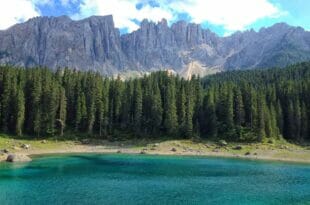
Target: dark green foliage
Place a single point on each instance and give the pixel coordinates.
(252, 105)
(170, 112)
(137, 106)
(268, 103)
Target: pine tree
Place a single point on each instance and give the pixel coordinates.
(297, 120)
(290, 121)
(36, 94)
(261, 117)
(188, 128)
(304, 122)
(62, 111)
(279, 117)
(5, 100)
(20, 107)
(210, 126)
(197, 96)
(81, 112)
(230, 111)
(115, 103)
(181, 108)
(170, 120)
(273, 121)
(127, 106)
(267, 122)
(105, 104)
(156, 110)
(239, 114)
(137, 103)
(90, 98)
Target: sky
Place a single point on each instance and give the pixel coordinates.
(221, 16)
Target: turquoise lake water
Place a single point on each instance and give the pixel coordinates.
(142, 179)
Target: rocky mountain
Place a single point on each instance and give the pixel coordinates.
(95, 44)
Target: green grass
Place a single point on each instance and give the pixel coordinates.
(277, 149)
(9, 142)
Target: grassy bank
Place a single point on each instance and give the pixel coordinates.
(278, 150)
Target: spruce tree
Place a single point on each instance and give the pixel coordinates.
(137, 106)
(20, 115)
(239, 115)
(260, 126)
(188, 127)
(304, 122)
(62, 111)
(170, 120)
(156, 110)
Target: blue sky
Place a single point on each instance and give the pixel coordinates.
(221, 16)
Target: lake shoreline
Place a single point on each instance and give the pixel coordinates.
(283, 152)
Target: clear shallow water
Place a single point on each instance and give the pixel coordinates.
(137, 179)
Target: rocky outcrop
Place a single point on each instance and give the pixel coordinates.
(17, 158)
(89, 44)
(95, 44)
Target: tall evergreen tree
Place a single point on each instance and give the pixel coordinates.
(20, 115)
(137, 103)
(261, 106)
(239, 115)
(62, 111)
(156, 110)
(170, 120)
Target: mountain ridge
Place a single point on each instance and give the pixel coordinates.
(94, 43)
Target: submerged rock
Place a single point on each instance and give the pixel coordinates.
(17, 158)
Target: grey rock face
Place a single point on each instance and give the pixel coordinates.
(90, 44)
(95, 44)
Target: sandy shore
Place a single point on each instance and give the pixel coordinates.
(258, 151)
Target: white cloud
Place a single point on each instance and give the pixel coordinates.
(123, 11)
(15, 11)
(231, 14)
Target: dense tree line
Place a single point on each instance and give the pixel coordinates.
(238, 105)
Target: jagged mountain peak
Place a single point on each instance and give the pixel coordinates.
(95, 44)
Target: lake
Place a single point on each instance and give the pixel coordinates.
(143, 179)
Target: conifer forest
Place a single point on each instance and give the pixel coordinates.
(248, 105)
